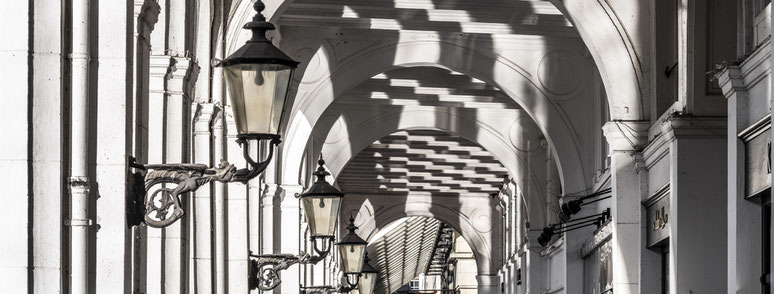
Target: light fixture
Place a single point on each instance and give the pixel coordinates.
(365, 285)
(352, 252)
(321, 203)
(258, 77)
(368, 275)
(594, 219)
(572, 207)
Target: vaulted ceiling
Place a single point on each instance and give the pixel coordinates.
(423, 161)
(526, 17)
(428, 87)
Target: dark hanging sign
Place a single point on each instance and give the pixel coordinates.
(757, 159)
(657, 209)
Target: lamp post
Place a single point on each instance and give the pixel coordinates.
(321, 205)
(258, 77)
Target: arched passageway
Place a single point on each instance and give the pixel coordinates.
(419, 253)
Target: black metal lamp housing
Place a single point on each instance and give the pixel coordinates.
(321, 204)
(352, 252)
(368, 275)
(258, 78)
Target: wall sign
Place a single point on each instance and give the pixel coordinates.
(657, 210)
(757, 156)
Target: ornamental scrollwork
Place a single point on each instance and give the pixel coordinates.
(164, 183)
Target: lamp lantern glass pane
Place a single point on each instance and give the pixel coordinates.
(258, 94)
(367, 283)
(351, 257)
(321, 214)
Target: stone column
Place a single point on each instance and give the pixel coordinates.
(46, 146)
(155, 154)
(236, 216)
(626, 139)
(203, 49)
(291, 236)
(113, 92)
(532, 269)
(697, 220)
(146, 13)
(14, 157)
(743, 215)
(202, 199)
(180, 78)
(488, 284)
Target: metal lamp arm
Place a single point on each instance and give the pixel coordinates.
(321, 254)
(265, 268)
(254, 168)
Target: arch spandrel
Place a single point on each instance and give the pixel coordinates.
(617, 48)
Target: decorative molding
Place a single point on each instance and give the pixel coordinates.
(657, 150)
(656, 196)
(690, 127)
(560, 73)
(626, 136)
(757, 128)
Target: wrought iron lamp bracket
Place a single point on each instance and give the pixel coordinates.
(317, 289)
(161, 207)
(265, 268)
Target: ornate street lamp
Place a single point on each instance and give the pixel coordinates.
(366, 285)
(368, 276)
(352, 252)
(321, 205)
(258, 78)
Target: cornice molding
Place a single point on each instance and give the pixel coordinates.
(757, 128)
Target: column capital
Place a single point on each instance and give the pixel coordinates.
(202, 114)
(731, 81)
(626, 136)
(693, 127)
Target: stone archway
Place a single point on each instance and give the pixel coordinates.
(511, 80)
(610, 37)
(476, 225)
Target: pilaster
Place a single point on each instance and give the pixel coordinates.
(46, 147)
(698, 212)
(488, 284)
(290, 212)
(202, 199)
(111, 149)
(237, 230)
(181, 74)
(14, 157)
(626, 139)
